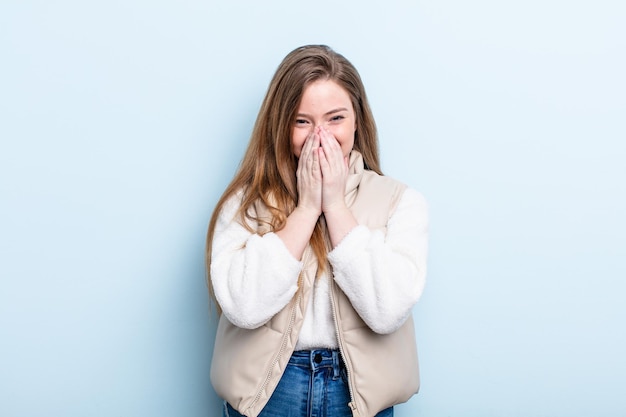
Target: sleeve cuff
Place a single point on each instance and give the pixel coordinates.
(350, 246)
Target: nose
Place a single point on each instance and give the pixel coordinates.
(319, 126)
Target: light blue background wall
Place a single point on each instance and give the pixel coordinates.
(122, 121)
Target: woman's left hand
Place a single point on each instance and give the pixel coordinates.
(334, 166)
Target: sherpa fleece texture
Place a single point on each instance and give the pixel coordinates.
(254, 277)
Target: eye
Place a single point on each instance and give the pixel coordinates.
(301, 121)
(337, 118)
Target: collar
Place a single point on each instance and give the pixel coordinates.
(355, 174)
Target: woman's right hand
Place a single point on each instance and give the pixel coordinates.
(301, 222)
(309, 176)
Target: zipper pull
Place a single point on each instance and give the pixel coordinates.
(352, 406)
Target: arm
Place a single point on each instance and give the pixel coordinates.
(253, 276)
(334, 167)
(300, 223)
(384, 275)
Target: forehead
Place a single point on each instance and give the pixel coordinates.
(325, 93)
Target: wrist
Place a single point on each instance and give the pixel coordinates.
(335, 208)
(307, 212)
(340, 221)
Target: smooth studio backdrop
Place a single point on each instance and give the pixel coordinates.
(121, 122)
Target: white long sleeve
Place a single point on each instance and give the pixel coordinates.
(384, 275)
(253, 276)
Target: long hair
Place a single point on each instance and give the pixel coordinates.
(267, 172)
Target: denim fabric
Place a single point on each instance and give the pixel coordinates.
(314, 385)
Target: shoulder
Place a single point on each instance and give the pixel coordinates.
(371, 178)
(412, 209)
(229, 211)
(398, 192)
(404, 199)
(406, 193)
(412, 197)
(231, 204)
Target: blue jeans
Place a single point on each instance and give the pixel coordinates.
(314, 384)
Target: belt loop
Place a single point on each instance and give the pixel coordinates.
(335, 363)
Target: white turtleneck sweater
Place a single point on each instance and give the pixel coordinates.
(383, 275)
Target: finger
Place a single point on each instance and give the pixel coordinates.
(315, 144)
(333, 158)
(312, 155)
(328, 137)
(305, 151)
(324, 163)
(324, 139)
(316, 169)
(309, 158)
(306, 147)
(332, 147)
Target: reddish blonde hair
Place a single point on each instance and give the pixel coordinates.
(267, 172)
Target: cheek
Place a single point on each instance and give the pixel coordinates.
(297, 141)
(345, 137)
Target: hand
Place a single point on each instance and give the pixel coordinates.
(334, 167)
(309, 176)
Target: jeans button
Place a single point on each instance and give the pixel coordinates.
(317, 358)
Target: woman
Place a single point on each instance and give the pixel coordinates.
(315, 259)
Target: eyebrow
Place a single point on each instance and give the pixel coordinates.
(340, 109)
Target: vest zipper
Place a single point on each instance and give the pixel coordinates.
(352, 403)
(292, 318)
